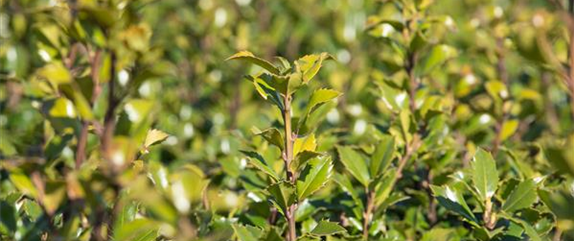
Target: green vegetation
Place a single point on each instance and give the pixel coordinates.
(287, 120)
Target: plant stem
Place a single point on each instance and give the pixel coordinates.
(288, 158)
(109, 118)
(368, 213)
(82, 141)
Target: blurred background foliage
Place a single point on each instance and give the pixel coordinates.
(90, 88)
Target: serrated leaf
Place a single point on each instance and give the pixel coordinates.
(327, 228)
(522, 197)
(273, 136)
(451, 198)
(260, 163)
(484, 174)
(248, 56)
(314, 176)
(309, 65)
(383, 155)
(528, 229)
(304, 144)
(302, 158)
(355, 164)
(154, 136)
(283, 194)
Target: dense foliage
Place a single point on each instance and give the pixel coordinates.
(382, 120)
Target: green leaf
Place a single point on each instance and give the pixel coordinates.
(247, 232)
(319, 97)
(23, 183)
(8, 217)
(508, 129)
(355, 163)
(283, 194)
(485, 175)
(54, 195)
(273, 136)
(139, 229)
(562, 157)
(248, 56)
(496, 89)
(435, 57)
(347, 187)
(314, 176)
(451, 198)
(327, 228)
(302, 158)
(258, 161)
(154, 136)
(528, 229)
(522, 197)
(383, 155)
(304, 144)
(266, 91)
(56, 73)
(384, 187)
(309, 65)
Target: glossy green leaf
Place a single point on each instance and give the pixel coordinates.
(355, 164)
(522, 197)
(484, 174)
(260, 163)
(273, 136)
(451, 198)
(315, 175)
(383, 155)
(327, 228)
(283, 194)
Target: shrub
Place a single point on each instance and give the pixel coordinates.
(413, 120)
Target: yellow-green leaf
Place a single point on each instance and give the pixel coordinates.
(355, 164)
(56, 73)
(508, 129)
(304, 144)
(248, 56)
(309, 65)
(154, 136)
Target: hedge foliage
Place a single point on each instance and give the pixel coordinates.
(287, 120)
